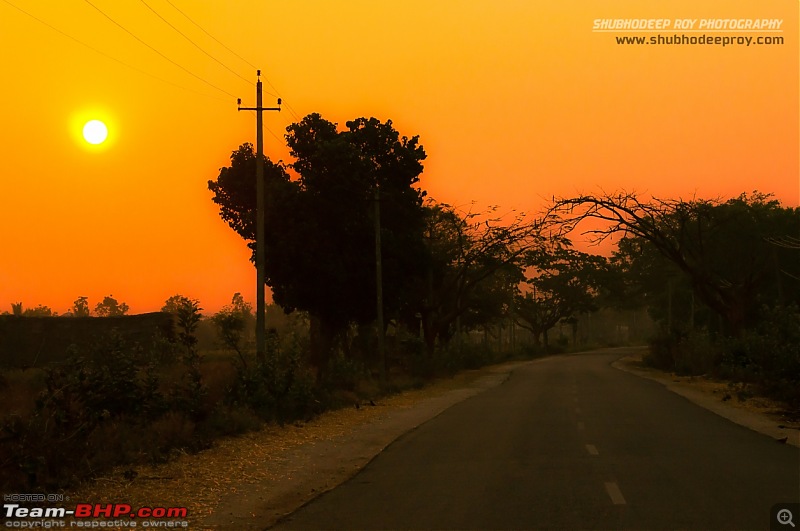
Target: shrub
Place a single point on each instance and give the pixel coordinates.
(190, 393)
(226, 420)
(769, 356)
(472, 356)
(344, 372)
(662, 352)
(279, 387)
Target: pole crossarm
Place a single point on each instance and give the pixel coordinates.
(261, 108)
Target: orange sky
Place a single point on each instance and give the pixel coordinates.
(514, 100)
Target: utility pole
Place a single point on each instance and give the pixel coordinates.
(379, 283)
(260, 255)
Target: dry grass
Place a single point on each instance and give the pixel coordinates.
(22, 389)
(201, 480)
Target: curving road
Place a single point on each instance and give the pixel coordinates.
(567, 442)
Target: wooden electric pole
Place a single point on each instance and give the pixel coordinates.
(260, 255)
(379, 285)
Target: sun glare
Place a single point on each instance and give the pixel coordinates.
(95, 132)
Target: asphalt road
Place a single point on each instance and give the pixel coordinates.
(567, 442)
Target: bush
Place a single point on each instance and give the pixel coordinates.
(473, 356)
(344, 373)
(768, 357)
(279, 388)
(226, 420)
(662, 352)
(689, 354)
(101, 408)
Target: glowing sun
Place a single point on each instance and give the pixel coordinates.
(95, 132)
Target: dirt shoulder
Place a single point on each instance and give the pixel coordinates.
(759, 414)
(252, 481)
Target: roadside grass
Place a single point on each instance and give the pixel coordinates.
(118, 404)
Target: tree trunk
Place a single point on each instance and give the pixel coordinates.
(536, 338)
(429, 333)
(321, 335)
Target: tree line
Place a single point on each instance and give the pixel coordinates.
(108, 307)
(716, 266)
(442, 269)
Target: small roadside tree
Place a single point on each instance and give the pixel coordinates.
(110, 307)
(80, 308)
(176, 303)
(231, 322)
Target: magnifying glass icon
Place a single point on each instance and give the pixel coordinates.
(785, 517)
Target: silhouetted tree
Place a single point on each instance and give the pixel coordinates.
(80, 308)
(176, 303)
(110, 307)
(466, 254)
(647, 279)
(562, 283)
(320, 250)
(39, 311)
(231, 322)
(723, 249)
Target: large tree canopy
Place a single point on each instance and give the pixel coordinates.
(561, 284)
(725, 250)
(473, 270)
(320, 228)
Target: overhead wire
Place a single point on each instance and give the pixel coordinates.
(168, 23)
(146, 73)
(108, 56)
(276, 137)
(176, 8)
(277, 92)
(280, 140)
(296, 116)
(126, 30)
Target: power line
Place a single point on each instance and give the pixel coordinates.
(107, 56)
(159, 53)
(195, 44)
(277, 92)
(280, 140)
(207, 33)
(291, 110)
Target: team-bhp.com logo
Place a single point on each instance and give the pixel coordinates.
(112, 515)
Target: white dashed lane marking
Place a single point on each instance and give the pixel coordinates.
(591, 449)
(614, 493)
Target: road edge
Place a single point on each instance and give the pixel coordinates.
(337, 461)
(758, 422)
